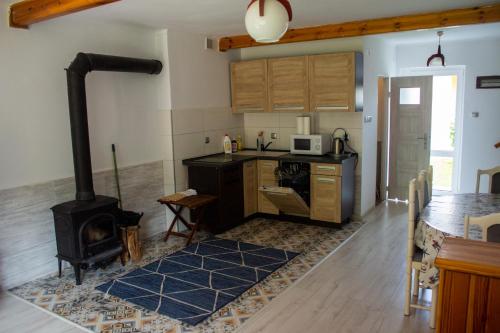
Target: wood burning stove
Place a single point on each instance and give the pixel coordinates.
(86, 228)
(87, 232)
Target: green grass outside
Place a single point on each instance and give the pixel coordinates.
(443, 172)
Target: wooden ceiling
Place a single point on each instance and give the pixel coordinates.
(449, 18)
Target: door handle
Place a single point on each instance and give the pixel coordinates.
(425, 138)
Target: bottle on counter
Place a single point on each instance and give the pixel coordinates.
(239, 143)
(227, 145)
(234, 146)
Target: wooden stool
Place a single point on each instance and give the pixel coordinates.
(200, 202)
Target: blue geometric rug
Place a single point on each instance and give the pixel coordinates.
(193, 283)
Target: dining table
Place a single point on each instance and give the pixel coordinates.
(447, 212)
(444, 216)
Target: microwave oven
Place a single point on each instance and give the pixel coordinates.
(313, 144)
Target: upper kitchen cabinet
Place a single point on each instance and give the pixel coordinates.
(288, 84)
(249, 86)
(336, 81)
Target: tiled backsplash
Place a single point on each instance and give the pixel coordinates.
(284, 124)
(190, 129)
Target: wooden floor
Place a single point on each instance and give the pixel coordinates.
(359, 288)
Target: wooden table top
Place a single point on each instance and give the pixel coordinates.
(191, 202)
(470, 256)
(447, 212)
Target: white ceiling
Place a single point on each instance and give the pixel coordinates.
(226, 17)
(450, 34)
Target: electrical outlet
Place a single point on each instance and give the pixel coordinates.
(207, 139)
(275, 136)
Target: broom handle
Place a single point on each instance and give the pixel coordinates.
(117, 178)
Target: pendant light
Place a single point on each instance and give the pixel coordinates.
(438, 58)
(267, 20)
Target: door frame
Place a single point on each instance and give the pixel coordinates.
(459, 71)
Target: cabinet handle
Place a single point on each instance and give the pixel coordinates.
(326, 180)
(326, 167)
(250, 109)
(332, 107)
(288, 107)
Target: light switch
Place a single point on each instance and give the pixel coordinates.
(274, 136)
(368, 119)
(475, 114)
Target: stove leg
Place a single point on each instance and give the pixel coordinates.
(76, 267)
(59, 265)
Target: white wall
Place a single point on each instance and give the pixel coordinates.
(200, 90)
(481, 58)
(379, 61)
(35, 142)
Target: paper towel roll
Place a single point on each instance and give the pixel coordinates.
(307, 125)
(300, 125)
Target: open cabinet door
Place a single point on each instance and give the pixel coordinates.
(410, 128)
(286, 200)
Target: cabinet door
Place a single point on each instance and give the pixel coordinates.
(250, 187)
(288, 84)
(267, 177)
(249, 86)
(326, 198)
(332, 82)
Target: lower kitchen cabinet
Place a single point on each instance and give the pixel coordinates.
(326, 194)
(332, 191)
(250, 187)
(267, 177)
(226, 183)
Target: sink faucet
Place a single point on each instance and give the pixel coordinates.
(264, 148)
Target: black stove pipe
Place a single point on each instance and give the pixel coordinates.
(83, 64)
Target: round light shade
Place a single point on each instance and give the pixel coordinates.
(270, 27)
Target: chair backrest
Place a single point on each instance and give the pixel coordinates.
(422, 190)
(413, 215)
(494, 179)
(430, 180)
(490, 226)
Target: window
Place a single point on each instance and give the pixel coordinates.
(409, 96)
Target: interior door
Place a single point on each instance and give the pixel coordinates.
(410, 128)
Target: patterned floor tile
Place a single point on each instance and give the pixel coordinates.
(94, 311)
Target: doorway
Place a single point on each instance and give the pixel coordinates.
(446, 125)
(444, 128)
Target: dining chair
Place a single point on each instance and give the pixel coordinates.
(430, 179)
(414, 259)
(494, 179)
(490, 226)
(423, 189)
(414, 254)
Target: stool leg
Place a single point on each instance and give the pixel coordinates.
(197, 223)
(177, 214)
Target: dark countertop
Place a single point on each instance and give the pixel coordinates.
(222, 160)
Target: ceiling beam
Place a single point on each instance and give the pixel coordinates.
(25, 13)
(456, 17)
